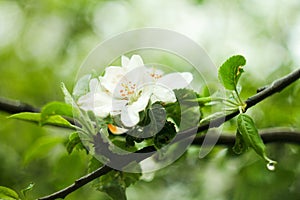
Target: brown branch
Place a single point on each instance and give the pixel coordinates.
(268, 136)
(78, 183)
(13, 106)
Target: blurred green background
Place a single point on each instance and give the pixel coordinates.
(43, 43)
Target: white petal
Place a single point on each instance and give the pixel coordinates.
(86, 101)
(130, 114)
(130, 117)
(99, 103)
(134, 62)
(124, 61)
(176, 80)
(163, 94)
(117, 106)
(94, 85)
(142, 101)
(130, 83)
(111, 78)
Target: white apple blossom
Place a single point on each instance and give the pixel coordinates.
(127, 90)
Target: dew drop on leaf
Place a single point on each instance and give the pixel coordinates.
(271, 166)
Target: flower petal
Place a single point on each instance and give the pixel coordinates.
(130, 117)
(99, 103)
(161, 93)
(117, 106)
(134, 62)
(94, 85)
(130, 113)
(111, 78)
(124, 61)
(176, 80)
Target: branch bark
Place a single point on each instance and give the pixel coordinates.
(275, 87)
(13, 106)
(268, 136)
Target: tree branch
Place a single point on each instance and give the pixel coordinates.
(78, 183)
(268, 136)
(278, 85)
(13, 106)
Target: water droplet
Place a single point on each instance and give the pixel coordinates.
(271, 166)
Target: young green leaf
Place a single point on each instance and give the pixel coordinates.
(82, 86)
(240, 146)
(165, 135)
(94, 164)
(56, 108)
(68, 97)
(186, 111)
(250, 135)
(8, 194)
(27, 116)
(115, 183)
(55, 120)
(74, 143)
(230, 71)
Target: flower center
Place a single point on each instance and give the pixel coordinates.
(127, 89)
(155, 73)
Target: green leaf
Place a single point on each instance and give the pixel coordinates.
(165, 136)
(82, 86)
(115, 183)
(94, 164)
(130, 178)
(122, 143)
(186, 111)
(74, 143)
(8, 194)
(250, 135)
(27, 116)
(70, 100)
(240, 146)
(56, 108)
(155, 120)
(55, 120)
(231, 70)
(68, 97)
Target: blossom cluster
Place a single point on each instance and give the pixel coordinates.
(128, 89)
